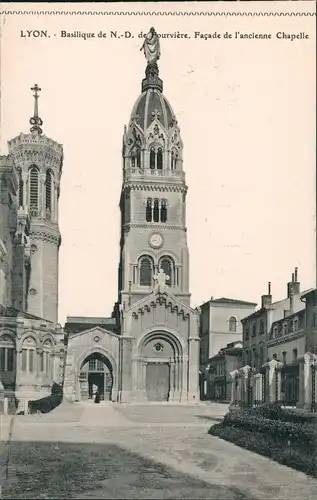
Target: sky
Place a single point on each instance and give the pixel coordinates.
(246, 110)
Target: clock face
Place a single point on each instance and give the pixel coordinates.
(156, 240)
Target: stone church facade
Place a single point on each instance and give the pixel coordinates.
(148, 349)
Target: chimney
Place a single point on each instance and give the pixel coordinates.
(293, 287)
(266, 300)
(291, 300)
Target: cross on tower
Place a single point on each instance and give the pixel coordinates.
(160, 278)
(155, 114)
(36, 89)
(36, 121)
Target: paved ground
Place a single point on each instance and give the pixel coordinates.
(138, 451)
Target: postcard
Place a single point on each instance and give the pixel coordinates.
(158, 301)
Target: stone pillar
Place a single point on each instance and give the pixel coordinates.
(70, 379)
(307, 363)
(233, 378)
(6, 407)
(42, 211)
(56, 200)
(25, 179)
(258, 387)
(239, 388)
(244, 372)
(273, 380)
(1, 398)
(193, 368)
(125, 372)
(179, 369)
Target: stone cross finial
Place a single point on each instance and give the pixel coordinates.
(160, 278)
(36, 121)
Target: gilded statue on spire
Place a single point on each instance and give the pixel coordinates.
(151, 47)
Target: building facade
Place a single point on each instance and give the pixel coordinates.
(31, 341)
(149, 349)
(220, 324)
(289, 340)
(257, 326)
(217, 381)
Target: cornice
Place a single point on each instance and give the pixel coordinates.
(176, 188)
(35, 141)
(286, 338)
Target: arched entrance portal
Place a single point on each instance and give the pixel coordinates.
(162, 357)
(96, 372)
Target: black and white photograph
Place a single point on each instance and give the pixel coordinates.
(158, 300)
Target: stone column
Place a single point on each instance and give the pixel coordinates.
(56, 197)
(258, 387)
(307, 363)
(233, 378)
(239, 388)
(42, 211)
(25, 179)
(193, 369)
(125, 369)
(244, 383)
(273, 381)
(18, 366)
(181, 364)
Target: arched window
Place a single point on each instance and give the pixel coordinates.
(152, 158)
(20, 191)
(47, 364)
(174, 157)
(167, 265)
(232, 324)
(148, 209)
(159, 160)
(7, 353)
(28, 355)
(48, 191)
(138, 158)
(156, 211)
(163, 211)
(146, 271)
(34, 191)
(246, 357)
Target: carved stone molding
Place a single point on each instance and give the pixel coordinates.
(161, 299)
(155, 226)
(159, 187)
(45, 236)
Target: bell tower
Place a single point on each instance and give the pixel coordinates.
(153, 197)
(39, 160)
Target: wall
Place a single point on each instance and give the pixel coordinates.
(83, 344)
(288, 347)
(220, 335)
(311, 322)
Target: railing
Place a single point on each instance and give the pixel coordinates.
(149, 172)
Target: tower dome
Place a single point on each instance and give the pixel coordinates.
(152, 139)
(152, 104)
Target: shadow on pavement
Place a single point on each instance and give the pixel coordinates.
(208, 417)
(72, 470)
